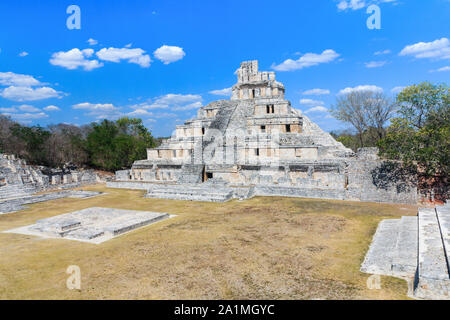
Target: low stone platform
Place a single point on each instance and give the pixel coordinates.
(94, 225)
(132, 185)
(415, 249)
(192, 193)
(298, 192)
(207, 192)
(17, 204)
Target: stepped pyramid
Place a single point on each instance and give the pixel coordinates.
(416, 249)
(17, 179)
(257, 139)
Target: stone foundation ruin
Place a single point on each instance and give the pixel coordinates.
(94, 225)
(257, 144)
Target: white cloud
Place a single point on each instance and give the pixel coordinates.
(307, 60)
(12, 109)
(311, 102)
(375, 64)
(94, 106)
(77, 58)
(165, 115)
(92, 42)
(140, 113)
(361, 88)
(28, 94)
(443, 69)
(316, 92)
(447, 68)
(359, 4)
(136, 56)
(191, 106)
(397, 89)
(52, 108)
(169, 54)
(222, 92)
(351, 4)
(99, 111)
(171, 101)
(74, 59)
(28, 108)
(15, 79)
(317, 109)
(379, 53)
(23, 54)
(20, 88)
(438, 49)
(27, 116)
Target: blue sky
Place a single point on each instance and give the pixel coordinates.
(162, 60)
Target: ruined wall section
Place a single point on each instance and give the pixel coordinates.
(375, 180)
(17, 178)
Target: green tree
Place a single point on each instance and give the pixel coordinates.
(417, 102)
(33, 141)
(115, 145)
(351, 139)
(420, 135)
(100, 145)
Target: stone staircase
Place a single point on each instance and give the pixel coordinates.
(415, 249)
(12, 191)
(207, 192)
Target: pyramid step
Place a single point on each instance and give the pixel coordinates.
(189, 197)
(404, 262)
(433, 273)
(15, 191)
(443, 214)
(432, 260)
(191, 193)
(379, 258)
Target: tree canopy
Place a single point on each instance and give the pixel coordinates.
(115, 145)
(420, 135)
(108, 145)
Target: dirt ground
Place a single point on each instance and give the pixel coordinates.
(263, 248)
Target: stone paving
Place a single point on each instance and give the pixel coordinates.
(94, 225)
(415, 249)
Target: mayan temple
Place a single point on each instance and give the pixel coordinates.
(256, 143)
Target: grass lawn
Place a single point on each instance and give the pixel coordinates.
(263, 248)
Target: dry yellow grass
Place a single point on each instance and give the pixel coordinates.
(263, 248)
